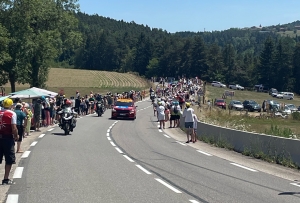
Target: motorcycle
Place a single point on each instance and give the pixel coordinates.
(68, 121)
(152, 96)
(100, 109)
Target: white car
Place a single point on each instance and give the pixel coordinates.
(236, 87)
(217, 84)
(288, 95)
(292, 107)
(280, 95)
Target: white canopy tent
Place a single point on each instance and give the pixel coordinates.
(43, 91)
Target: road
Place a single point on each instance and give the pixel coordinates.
(107, 160)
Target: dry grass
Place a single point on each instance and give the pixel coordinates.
(241, 120)
(85, 81)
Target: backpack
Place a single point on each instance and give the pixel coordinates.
(175, 110)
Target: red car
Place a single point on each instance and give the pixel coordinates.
(124, 108)
(220, 103)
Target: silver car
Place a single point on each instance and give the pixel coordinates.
(235, 104)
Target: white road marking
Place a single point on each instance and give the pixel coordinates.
(244, 167)
(181, 143)
(193, 201)
(295, 184)
(158, 126)
(50, 129)
(110, 127)
(120, 151)
(108, 130)
(168, 185)
(12, 198)
(108, 138)
(42, 135)
(128, 158)
(166, 136)
(33, 144)
(140, 167)
(112, 143)
(160, 130)
(107, 134)
(207, 154)
(25, 154)
(18, 172)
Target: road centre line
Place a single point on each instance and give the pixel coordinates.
(18, 172)
(160, 130)
(113, 144)
(193, 201)
(207, 154)
(167, 136)
(33, 144)
(167, 185)
(181, 143)
(12, 198)
(42, 135)
(140, 167)
(118, 150)
(128, 158)
(109, 138)
(50, 129)
(295, 184)
(108, 130)
(25, 154)
(107, 134)
(244, 167)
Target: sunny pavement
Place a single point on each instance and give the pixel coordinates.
(91, 166)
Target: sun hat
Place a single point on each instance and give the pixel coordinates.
(187, 104)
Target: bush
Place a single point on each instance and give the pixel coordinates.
(296, 116)
(277, 131)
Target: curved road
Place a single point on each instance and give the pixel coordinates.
(106, 161)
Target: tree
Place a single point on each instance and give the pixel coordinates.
(266, 67)
(229, 63)
(4, 55)
(142, 54)
(40, 31)
(199, 59)
(296, 70)
(215, 63)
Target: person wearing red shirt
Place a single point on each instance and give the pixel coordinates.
(8, 136)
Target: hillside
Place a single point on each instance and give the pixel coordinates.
(85, 81)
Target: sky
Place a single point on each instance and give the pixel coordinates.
(196, 15)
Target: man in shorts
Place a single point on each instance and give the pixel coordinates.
(189, 122)
(8, 136)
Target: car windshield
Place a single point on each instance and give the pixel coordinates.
(220, 100)
(120, 103)
(252, 102)
(237, 102)
(291, 105)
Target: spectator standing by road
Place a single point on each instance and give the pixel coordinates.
(8, 136)
(161, 115)
(37, 111)
(21, 123)
(195, 126)
(189, 122)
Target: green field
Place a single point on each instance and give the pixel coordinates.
(249, 122)
(85, 81)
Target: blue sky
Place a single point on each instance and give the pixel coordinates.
(195, 15)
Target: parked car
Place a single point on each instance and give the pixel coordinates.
(217, 84)
(236, 87)
(220, 103)
(273, 92)
(251, 106)
(288, 95)
(292, 107)
(298, 108)
(273, 104)
(235, 104)
(286, 110)
(279, 95)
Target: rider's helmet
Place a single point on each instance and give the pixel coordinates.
(68, 102)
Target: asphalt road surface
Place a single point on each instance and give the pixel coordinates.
(115, 161)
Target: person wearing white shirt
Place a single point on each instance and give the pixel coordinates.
(189, 122)
(161, 115)
(195, 126)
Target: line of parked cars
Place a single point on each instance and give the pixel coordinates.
(253, 106)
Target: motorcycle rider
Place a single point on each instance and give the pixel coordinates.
(68, 104)
(99, 100)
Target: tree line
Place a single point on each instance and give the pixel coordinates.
(68, 38)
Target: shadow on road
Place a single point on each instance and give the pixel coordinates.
(289, 193)
(60, 134)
